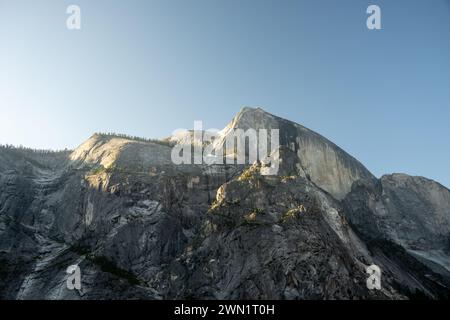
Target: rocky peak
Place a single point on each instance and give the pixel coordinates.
(254, 118)
(122, 203)
(307, 153)
(316, 158)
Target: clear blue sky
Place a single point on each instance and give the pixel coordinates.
(148, 67)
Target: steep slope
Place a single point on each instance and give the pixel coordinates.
(410, 215)
(116, 207)
(414, 212)
(318, 159)
(141, 227)
(275, 238)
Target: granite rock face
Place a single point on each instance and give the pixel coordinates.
(139, 226)
(323, 162)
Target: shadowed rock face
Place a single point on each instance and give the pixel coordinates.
(412, 212)
(141, 227)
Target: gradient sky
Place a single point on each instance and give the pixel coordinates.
(147, 68)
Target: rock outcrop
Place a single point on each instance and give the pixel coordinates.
(139, 226)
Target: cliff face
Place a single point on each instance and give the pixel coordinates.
(141, 227)
(413, 213)
(324, 163)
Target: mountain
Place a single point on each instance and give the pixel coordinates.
(139, 226)
(324, 163)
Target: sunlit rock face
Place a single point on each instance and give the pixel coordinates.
(139, 226)
(325, 164)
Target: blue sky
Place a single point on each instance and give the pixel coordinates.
(148, 67)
